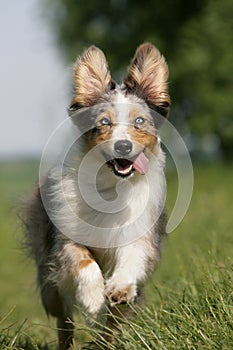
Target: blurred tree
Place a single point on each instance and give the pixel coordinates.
(202, 72)
(195, 37)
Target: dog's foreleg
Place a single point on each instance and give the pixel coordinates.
(85, 277)
(90, 287)
(134, 262)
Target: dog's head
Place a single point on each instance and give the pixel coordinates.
(123, 120)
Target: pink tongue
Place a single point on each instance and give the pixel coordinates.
(141, 163)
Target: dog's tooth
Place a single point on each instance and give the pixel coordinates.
(125, 171)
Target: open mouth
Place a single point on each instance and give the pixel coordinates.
(121, 167)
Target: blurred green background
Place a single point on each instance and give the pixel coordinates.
(196, 39)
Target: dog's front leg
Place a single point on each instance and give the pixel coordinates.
(87, 282)
(90, 288)
(134, 262)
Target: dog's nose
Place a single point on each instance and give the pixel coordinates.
(123, 147)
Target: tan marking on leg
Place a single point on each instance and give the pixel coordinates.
(84, 263)
(71, 257)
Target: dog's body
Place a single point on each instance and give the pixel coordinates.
(121, 140)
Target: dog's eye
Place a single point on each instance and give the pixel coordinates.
(139, 120)
(105, 121)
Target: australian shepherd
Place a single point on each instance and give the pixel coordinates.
(96, 222)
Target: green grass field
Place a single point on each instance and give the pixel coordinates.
(189, 300)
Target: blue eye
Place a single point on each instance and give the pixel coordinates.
(139, 120)
(105, 121)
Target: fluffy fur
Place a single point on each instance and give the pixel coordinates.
(89, 275)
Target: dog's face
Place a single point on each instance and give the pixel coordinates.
(124, 132)
(120, 121)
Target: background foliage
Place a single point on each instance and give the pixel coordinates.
(196, 39)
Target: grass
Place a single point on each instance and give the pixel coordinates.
(189, 299)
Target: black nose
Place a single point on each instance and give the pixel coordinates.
(123, 147)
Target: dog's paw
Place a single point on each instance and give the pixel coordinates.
(119, 293)
(90, 289)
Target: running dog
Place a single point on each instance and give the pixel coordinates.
(95, 224)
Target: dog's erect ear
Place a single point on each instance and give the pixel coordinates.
(91, 77)
(147, 77)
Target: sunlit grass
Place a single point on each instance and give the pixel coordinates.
(188, 303)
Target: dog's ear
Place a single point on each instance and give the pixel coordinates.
(147, 77)
(91, 77)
